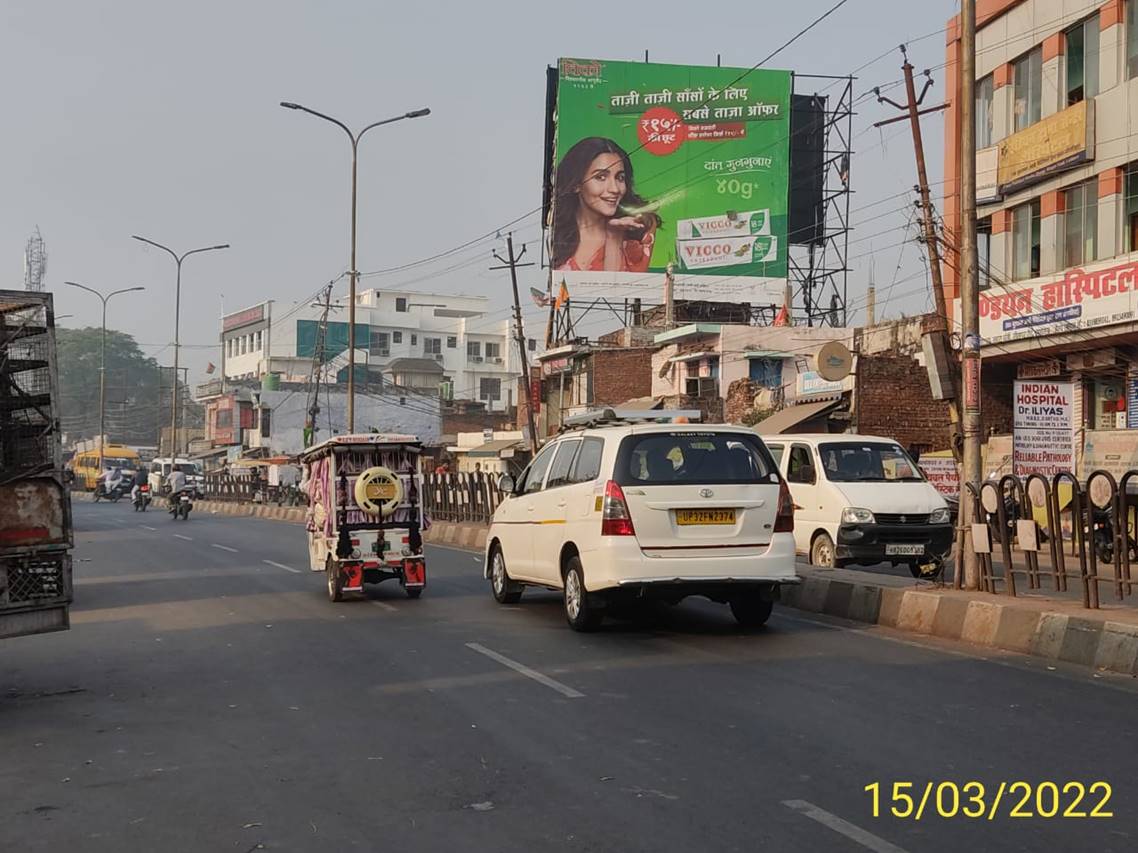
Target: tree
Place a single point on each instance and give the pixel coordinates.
(134, 411)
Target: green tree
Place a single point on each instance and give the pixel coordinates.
(134, 410)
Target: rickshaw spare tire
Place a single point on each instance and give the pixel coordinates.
(373, 477)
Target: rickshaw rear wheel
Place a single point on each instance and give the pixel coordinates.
(335, 580)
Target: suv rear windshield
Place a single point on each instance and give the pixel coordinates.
(676, 458)
(862, 462)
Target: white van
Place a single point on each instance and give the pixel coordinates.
(861, 499)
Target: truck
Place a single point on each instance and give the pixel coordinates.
(35, 505)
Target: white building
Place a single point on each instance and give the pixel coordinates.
(406, 338)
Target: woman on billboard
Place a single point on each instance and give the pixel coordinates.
(599, 222)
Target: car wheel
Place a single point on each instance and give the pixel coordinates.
(580, 611)
(822, 551)
(751, 611)
(505, 590)
(335, 581)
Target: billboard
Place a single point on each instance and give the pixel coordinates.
(1043, 436)
(671, 164)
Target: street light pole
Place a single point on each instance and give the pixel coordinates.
(177, 322)
(353, 273)
(103, 361)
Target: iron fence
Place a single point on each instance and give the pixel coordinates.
(469, 497)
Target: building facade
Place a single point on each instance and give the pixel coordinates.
(1057, 205)
(425, 341)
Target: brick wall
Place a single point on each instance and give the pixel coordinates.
(893, 400)
(621, 374)
(740, 400)
(474, 420)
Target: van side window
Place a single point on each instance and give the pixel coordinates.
(559, 470)
(800, 466)
(587, 466)
(776, 451)
(536, 473)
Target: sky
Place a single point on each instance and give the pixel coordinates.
(163, 119)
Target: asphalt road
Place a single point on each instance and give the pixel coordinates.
(209, 697)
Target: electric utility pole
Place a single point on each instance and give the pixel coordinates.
(969, 291)
(511, 263)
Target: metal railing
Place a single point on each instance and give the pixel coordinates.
(1047, 539)
(245, 489)
(470, 497)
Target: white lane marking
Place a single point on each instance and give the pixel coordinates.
(843, 827)
(383, 605)
(180, 536)
(224, 548)
(148, 527)
(281, 566)
(563, 689)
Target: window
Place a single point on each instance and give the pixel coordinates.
(473, 349)
(766, 372)
(984, 112)
(414, 339)
(489, 389)
(224, 419)
(531, 480)
(1082, 60)
(800, 466)
(1130, 211)
(854, 462)
(452, 342)
(1025, 240)
(401, 304)
(1131, 40)
(432, 346)
(1027, 80)
(587, 465)
(984, 251)
(559, 470)
(244, 344)
(656, 459)
(1080, 223)
(532, 344)
(266, 422)
(397, 337)
(493, 350)
(379, 343)
(776, 451)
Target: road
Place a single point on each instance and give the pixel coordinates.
(209, 697)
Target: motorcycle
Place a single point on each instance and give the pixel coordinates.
(181, 504)
(116, 492)
(1102, 523)
(142, 498)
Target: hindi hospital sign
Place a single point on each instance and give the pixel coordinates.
(1102, 295)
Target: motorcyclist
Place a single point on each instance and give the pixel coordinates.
(110, 480)
(140, 479)
(175, 481)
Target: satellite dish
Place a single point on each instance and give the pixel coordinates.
(834, 361)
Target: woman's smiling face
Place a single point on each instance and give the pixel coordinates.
(604, 185)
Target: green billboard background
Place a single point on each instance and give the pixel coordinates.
(708, 146)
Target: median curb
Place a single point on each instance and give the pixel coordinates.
(1057, 630)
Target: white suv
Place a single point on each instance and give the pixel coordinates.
(620, 508)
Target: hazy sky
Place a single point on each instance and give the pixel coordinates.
(162, 119)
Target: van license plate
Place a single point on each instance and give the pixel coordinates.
(705, 516)
(904, 550)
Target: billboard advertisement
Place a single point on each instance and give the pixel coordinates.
(1043, 435)
(671, 164)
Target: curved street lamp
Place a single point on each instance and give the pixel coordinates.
(103, 360)
(177, 346)
(352, 271)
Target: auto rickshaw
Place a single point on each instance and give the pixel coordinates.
(365, 519)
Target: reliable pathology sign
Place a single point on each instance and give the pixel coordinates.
(1043, 436)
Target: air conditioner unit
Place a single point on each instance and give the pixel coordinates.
(476, 358)
(496, 360)
(438, 356)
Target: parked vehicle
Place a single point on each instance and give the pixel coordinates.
(623, 506)
(142, 498)
(862, 499)
(365, 519)
(85, 465)
(35, 509)
(1102, 523)
(180, 504)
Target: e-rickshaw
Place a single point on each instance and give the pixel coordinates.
(365, 519)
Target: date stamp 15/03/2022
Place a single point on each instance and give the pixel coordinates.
(978, 801)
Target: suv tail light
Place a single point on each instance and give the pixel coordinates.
(784, 519)
(615, 520)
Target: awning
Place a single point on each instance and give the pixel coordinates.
(766, 353)
(694, 356)
(493, 448)
(790, 417)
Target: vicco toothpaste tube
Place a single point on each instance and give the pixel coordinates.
(736, 225)
(726, 251)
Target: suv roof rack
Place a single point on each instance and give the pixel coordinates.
(602, 417)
